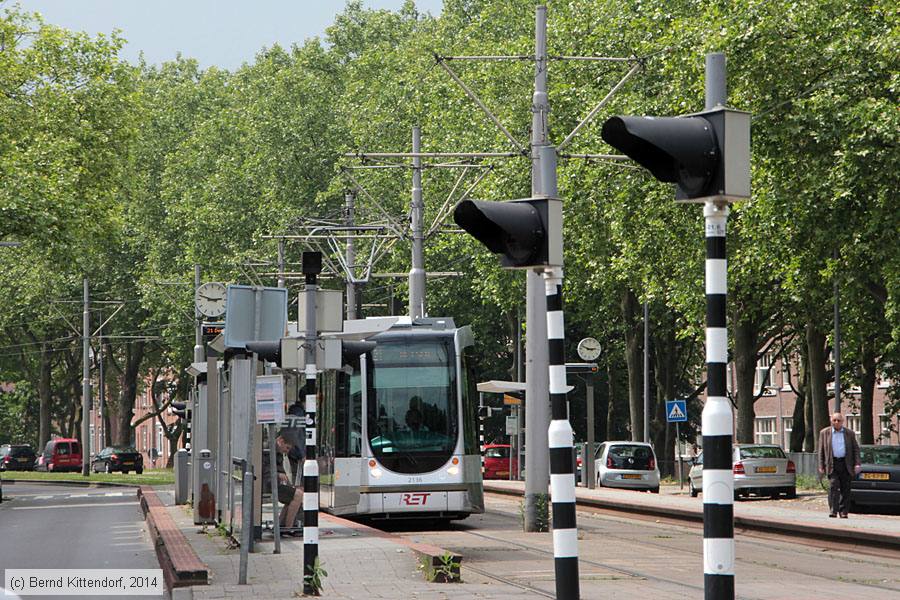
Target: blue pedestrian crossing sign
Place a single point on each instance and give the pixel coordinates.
(676, 411)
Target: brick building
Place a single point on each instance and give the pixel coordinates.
(148, 439)
(775, 409)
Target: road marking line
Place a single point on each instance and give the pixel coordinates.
(44, 497)
(111, 494)
(94, 505)
(78, 495)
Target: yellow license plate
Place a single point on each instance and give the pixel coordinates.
(766, 469)
(631, 476)
(876, 476)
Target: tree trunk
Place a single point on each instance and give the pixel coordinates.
(745, 347)
(815, 343)
(664, 365)
(611, 402)
(134, 355)
(45, 394)
(799, 427)
(867, 381)
(809, 439)
(633, 360)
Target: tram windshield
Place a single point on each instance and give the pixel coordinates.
(412, 406)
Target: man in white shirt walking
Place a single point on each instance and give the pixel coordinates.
(838, 453)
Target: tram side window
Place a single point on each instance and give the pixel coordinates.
(470, 394)
(348, 438)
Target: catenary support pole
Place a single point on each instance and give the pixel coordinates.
(349, 218)
(86, 383)
(281, 280)
(837, 340)
(537, 405)
(717, 418)
(417, 217)
(310, 464)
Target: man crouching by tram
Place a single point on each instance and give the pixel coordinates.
(286, 443)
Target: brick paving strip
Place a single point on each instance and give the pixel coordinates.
(179, 562)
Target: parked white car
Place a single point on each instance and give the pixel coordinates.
(629, 465)
(760, 469)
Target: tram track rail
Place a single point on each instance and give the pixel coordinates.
(762, 540)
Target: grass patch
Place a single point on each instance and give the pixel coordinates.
(809, 482)
(149, 477)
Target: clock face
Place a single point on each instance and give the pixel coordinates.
(211, 299)
(588, 349)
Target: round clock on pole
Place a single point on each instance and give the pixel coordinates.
(588, 349)
(210, 299)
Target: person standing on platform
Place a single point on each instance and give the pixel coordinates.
(838, 457)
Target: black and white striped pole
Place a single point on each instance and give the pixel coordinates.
(312, 266)
(561, 439)
(717, 419)
(708, 156)
(718, 425)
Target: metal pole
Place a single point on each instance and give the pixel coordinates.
(246, 522)
(102, 393)
(646, 372)
(310, 464)
(837, 341)
(86, 383)
(561, 439)
(587, 461)
(481, 418)
(349, 217)
(537, 404)
(417, 272)
(678, 450)
(281, 262)
(717, 418)
(273, 474)
(198, 331)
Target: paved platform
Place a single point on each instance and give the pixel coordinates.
(362, 564)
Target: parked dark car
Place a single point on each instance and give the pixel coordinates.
(118, 458)
(61, 454)
(16, 457)
(878, 483)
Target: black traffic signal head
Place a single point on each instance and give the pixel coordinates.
(178, 409)
(706, 155)
(269, 351)
(527, 233)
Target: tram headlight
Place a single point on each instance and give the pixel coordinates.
(453, 469)
(373, 469)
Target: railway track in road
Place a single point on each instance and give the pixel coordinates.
(611, 538)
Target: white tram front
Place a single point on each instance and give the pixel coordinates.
(399, 427)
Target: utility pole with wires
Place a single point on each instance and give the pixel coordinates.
(86, 383)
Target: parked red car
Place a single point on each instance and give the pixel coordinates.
(61, 454)
(496, 461)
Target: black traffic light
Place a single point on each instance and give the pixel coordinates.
(706, 155)
(179, 409)
(527, 233)
(269, 351)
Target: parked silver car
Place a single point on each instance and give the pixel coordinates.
(760, 469)
(630, 465)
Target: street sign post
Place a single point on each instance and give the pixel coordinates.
(676, 412)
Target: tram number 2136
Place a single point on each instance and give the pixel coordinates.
(415, 498)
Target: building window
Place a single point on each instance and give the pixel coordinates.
(788, 423)
(93, 448)
(785, 374)
(884, 422)
(764, 376)
(854, 422)
(765, 430)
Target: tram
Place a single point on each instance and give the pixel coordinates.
(399, 427)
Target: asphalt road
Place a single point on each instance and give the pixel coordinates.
(71, 527)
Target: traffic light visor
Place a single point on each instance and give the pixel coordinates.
(681, 150)
(513, 229)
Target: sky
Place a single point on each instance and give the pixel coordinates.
(224, 33)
